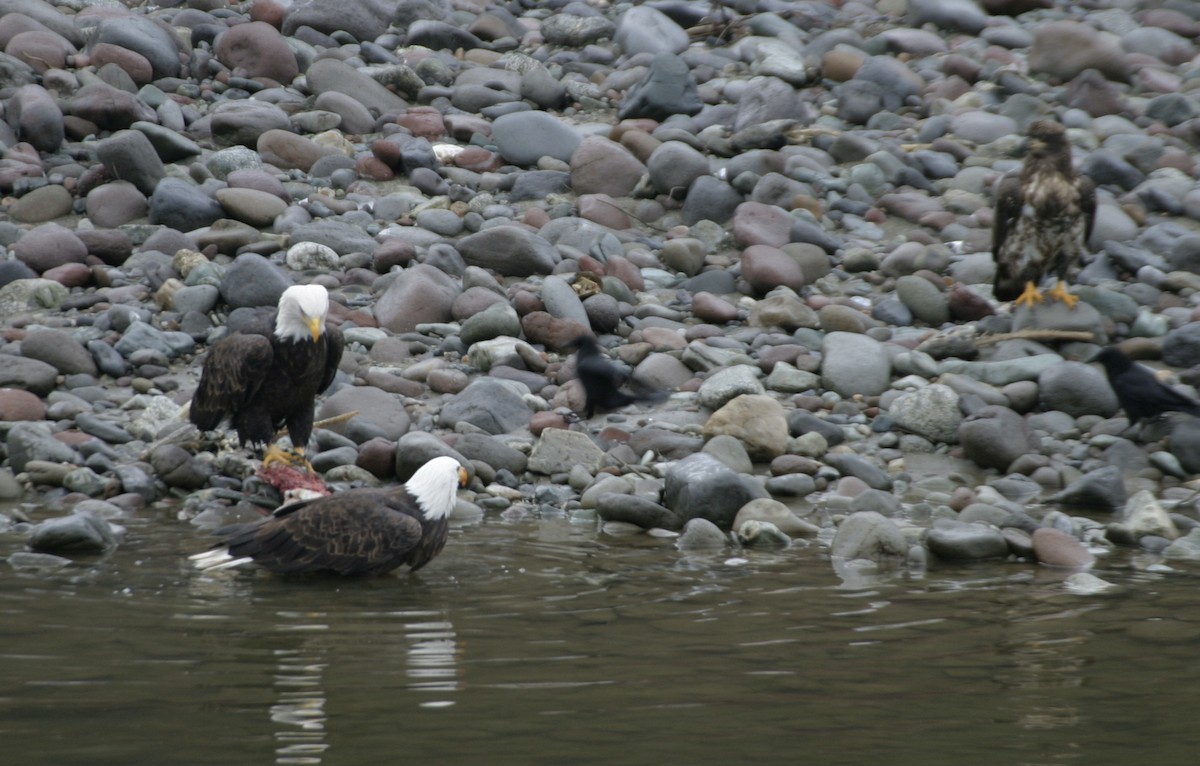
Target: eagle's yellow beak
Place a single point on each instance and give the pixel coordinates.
(314, 327)
(463, 476)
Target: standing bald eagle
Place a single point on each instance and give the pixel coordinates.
(359, 532)
(1044, 216)
(268, 373)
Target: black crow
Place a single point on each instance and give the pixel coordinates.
(1141, 395)
(602, 380)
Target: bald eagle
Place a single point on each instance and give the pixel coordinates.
(358, 532)
(268, 373)
(1044, 216)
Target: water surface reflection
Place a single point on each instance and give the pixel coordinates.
(542, 642)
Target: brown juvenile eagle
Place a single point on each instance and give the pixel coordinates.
(1044, 216)
(268, 373)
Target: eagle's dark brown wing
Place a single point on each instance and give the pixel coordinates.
(232, 374)
(1010, 200)
(334, 345)
(363, 531)
(1087, 205)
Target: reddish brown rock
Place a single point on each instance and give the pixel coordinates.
(756, 223)
(132, 63)
(764, 268)
(70, 274)
(1056, 548)
(713, 308)
(41, 50)
(542, 328)
(49, 245)
(257, 49)
(16, 404)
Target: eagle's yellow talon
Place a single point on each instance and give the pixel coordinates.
(275, 454)
(1031, 296)
(1059, 292)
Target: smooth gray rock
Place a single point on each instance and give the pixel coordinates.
(960, 541)
(868, 535)
(700, 486)
(491, 405)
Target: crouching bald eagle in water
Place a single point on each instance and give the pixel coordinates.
(268, 373)
(358, 532)
(1044, 216)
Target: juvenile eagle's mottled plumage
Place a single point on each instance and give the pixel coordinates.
(358, 532)
(1044, 216)
(268, 373)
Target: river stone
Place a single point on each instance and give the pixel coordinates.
(558, 450)
(492, 451)
(1142, 516)
(523, 138)
(562, 301)
(421, 294)
(252, 281)
(129, 156)
(49, 245)
(1186, 548)
(932, 412)
(965, 541)
(491, 405)
(995, 436)
(1101, 488)
(179, 468)
(667, 89)
(1076, 389)
(510, 251)
(83, 532)
(757, 420)
(868, 535)
(854, 365)
(416, 448)
(701, 534)
(635, 509)
(497, 320)
(182, 206)
(700, 486)
(17, 405)
(380, 410)
(761, 534)
(28, 442)
(1056, 548)
(728, 383)
(777, 514)
(58, 348)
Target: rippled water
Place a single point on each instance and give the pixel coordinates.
(543, 642)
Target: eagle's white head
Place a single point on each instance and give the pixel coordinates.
(302, 312)
(435, 485)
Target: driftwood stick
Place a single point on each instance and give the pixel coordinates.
(1079, 335)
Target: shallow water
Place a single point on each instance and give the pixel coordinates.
(542, 642)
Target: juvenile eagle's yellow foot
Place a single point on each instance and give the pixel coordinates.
(1059, 292)
(1031, 296)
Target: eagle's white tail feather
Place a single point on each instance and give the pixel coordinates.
(217, 558)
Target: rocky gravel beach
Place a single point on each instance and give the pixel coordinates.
(780, 213)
